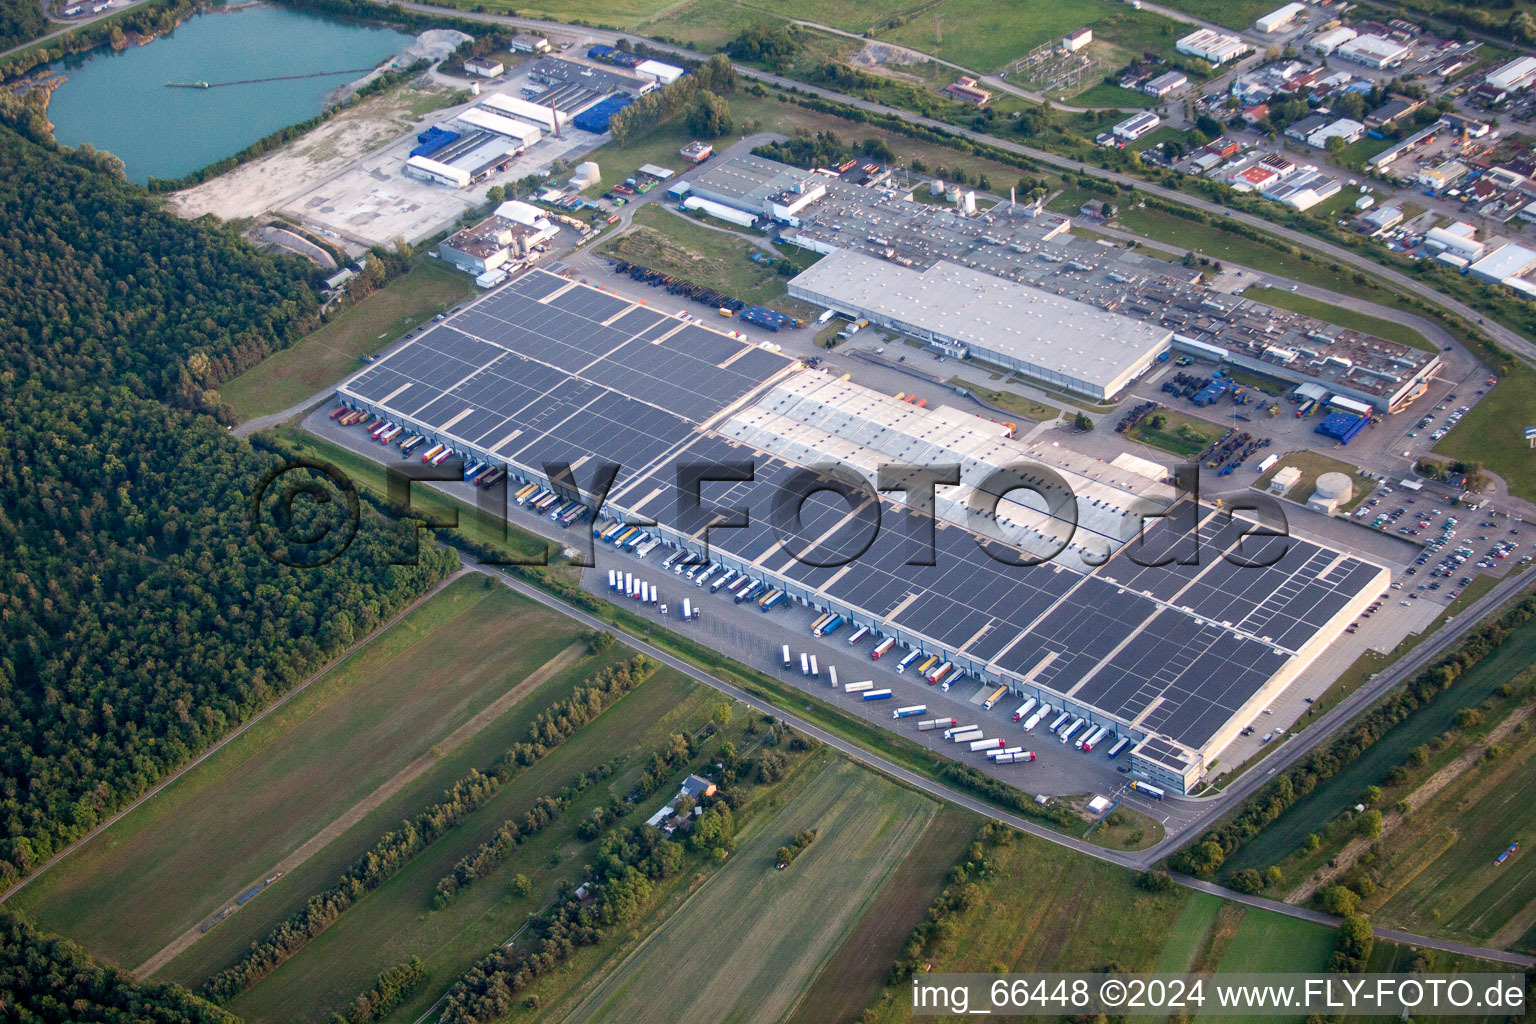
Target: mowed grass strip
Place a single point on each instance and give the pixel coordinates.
(178, 858)
(330, 352)
(227, 942)
(397, 921)
(747, 943)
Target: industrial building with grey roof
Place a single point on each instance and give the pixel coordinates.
(1059, 341)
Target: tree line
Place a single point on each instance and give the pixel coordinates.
(397, 848)
(394, 987)
(714, 78)
(620, 883)
(512, 833)
(48, 980)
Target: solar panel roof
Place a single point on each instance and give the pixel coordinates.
(545, 369)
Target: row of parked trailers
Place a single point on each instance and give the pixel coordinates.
(741, 587)
(481, 473)
(677, 286)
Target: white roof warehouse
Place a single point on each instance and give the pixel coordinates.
(1059, 341)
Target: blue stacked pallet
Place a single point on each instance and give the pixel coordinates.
(596, 117)
(432, 140)
(765, 317)
(1343, 427)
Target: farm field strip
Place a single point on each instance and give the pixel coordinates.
(750, 923)
(148, 878)
(373, 801)
(397, 920)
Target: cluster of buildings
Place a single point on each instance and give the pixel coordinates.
(559, 95)
(1075, 608)
(1285, 78)
(1503, 83)
(501, 243)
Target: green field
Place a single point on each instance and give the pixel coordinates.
(1267, 940)
(1188, 933)
(622, 14)
(1182, 434)
(1284, 836)
(856, 973)
(1439, 875)
(675, 244)
(1389, 329)
(1105, 95)
(1238, 14)
(1493, 432)
(397, 920)
(182, 855)
(988, 35)
(744, 946)
(326, 355)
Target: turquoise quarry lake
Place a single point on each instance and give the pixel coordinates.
(120, 102)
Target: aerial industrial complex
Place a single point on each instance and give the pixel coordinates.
(1059, 592)
(1012, 286)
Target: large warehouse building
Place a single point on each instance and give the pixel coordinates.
(1061, 342)
(1177, 657)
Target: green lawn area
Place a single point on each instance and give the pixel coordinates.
(1388, 329)
(743, 948)
(622, 14)
(1014, 402)
(326, 355)
(397, 920)
(1285, 834)
(178, 858)
(1180, 434)
(1238, 14)
(1106, 95)
(1493, 432)
(988, 35)
(676, 244)
(1313, 465)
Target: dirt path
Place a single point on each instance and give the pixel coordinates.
(1418, 798)
(370, 803)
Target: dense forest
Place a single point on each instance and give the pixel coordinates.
(20, 21)
(139, 622)
(44, 980)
